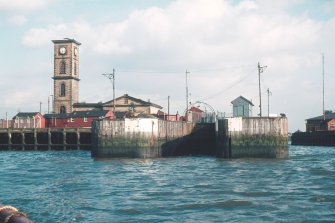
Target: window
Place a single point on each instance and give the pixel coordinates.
(62, 67)
(71, 120)
(75, 69)
(62, 110)
(62, 90)
(85, 119)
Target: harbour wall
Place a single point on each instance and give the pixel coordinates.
(150, 138)
(322, 138)
(258, 137)
(45, 139)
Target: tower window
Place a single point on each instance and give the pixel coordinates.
(62, 90)
(75, 69)
(62, 110)
(62, 67)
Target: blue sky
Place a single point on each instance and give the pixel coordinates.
(151, 43)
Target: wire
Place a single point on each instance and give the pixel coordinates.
(231, 86)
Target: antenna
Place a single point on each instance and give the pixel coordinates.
(111, 77)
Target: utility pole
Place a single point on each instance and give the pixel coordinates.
(260, 70)
(111, 77)
(187, 72)
(323, 87)
(48, 104)
(40, 107)
(269, 94)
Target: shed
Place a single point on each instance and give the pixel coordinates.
(242, 107)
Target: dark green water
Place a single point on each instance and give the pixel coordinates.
(71, 187)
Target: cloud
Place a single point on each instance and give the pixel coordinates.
(22, 5)
(17, 20)
(207, 39)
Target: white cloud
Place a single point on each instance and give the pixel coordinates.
(199, 35)
(22, 5)
(17, 20)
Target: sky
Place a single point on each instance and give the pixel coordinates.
(152, 43)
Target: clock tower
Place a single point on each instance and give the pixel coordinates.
(66, 75)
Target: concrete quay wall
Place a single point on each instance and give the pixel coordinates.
(257, 137)
(137, 137)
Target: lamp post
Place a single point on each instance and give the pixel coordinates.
(111, 77)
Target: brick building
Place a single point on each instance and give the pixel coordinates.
(321, 123)
(66, 75)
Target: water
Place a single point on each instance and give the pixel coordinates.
(69, 186)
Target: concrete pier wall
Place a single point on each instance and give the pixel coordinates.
(45, 139)
(138, 137)
(259, 137)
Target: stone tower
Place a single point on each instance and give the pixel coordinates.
(66, 75)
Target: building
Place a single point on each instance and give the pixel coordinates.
(28, 120)
(66, 75)
(321, 123)
(242, 107)
(194, 114)
(66, 86)
(76, 119)
(124, 103)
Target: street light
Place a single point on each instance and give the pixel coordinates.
(111, 77)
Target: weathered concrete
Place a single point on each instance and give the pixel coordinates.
(45, 139)
(137, 138)
(253, 137)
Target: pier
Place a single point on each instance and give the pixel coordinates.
(45, 139)
(257, 137)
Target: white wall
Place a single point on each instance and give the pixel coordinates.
(143, 125)
(235, 124)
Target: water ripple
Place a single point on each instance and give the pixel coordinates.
(70, 186)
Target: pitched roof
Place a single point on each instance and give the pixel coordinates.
(25, 114)
(147, 103)
(195, 109)
(328, 117)
(244, 99)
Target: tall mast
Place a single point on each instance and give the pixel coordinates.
(323, 87)
(186, 73)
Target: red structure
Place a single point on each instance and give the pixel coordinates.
(194, 114)
(77, 119)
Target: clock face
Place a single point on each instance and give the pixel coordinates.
(62, 50)
(75, 51)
